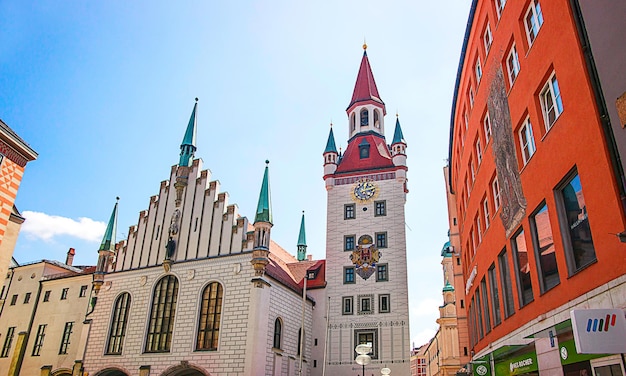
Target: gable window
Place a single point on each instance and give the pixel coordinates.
(83, 291)
(347, 305)
(162, 314)
(348, 243)
(210, 317)
(41, 333)
(487, 38)
(64, 293)
(348, 274)
(278, 332)
(349, 211)
(551, 103)
(65, 341)
(381, 273)
(364, 117)
(7, 342)
(380, 208)
(520, 256)
(512, 64)
(543, 243)
(500, 6)
(383, 303)
(119, 321)
(533, 21)
(381, 240)
(479, 71)
(526, 141)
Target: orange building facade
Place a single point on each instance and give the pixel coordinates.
(538, 192)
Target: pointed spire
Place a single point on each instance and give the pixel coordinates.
(365, 87)
(108, 240)
(264, 207)
(188, 146)
(330, 144)
(302, 241)
(398, 137)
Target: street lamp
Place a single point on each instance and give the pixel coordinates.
(363, 358)
(385, 371)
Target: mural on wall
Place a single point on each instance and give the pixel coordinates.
(512, 198)
(365, 257)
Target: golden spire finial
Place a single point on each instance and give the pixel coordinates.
(364, 44)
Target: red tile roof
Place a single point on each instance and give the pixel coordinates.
(379, 158)
(365, 89)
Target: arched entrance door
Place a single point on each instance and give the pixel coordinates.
(185, 369)
(111, 372)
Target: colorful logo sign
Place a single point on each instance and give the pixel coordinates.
(601, 325)
(365, 257)
(599, 331)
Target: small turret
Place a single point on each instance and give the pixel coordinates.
(262, 226)
(302, 241)
(330, 154)
(106, 250)
(398, 145)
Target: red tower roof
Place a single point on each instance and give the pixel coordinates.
(365, 87)
(379, 156)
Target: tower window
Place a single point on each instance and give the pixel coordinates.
(376, 119)
(348, 243)
(352, 122)
(347, 306)
(383, 303)
(380, 208)
(381, 240)
(365, 117)
(365, 304)
(364, 149)
(349, 211)
(348, 274)
(381, 273)
(278, 328)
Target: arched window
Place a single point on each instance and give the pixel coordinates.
(162, 315)
(376, 119)
(364, 117)
(119, 320)
(278, 329)
(210, 317)
(353, 121)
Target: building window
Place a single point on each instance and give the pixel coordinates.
(7, 342)
(479, 229)
(383, 303)
(543, 243)
(495, 297)
(65, 341)
(380, 208)
(27, 298)
(479, 151)
(487, 126)
(575, 229)
(210, 317)
(348, 274)
(486, 212)
(364, 117)
(64, 293)
(500, 6)
(83, 291)
(367, 337)
(520, 256)
(46, 296)
(505, 280)
(496, 193)
(365, 304)
(485, 307)
(526, 141)
(512, 64)
(479, 313)
(487, 38)
(162, 315)
(278, 332)
(551, 103)
(381, 240)
(348, 243)
(479, 70)
(382, 273)
(349, 211)
(119, 321)
(376, 119)
(470, 93)
(364, 149)
(353, 122)
(41, 333)
(14, 299)
(533, 21)
(347, 305)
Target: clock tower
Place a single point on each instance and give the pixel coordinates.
(366, 267)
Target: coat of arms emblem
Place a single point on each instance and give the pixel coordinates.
(365, 257)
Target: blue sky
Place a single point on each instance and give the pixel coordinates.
(103, 92)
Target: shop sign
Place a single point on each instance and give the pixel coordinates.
(599, 331)
(481, 367)
(569, 355)
(518, 365)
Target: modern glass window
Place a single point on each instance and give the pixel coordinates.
(551, 103)
(8, 339)
(500, 6)
(14, 299)
(348, 274)
(364, 117)
(119, 322)
(512, 64)
(348, 243)
(485, 307)
(479, 314)
(383, 303)
(382, 273)
(495, 187)
(533, 21)
(487, 38)
(162, 314)
(41, 334)
(495, 296)
(367, 337)
(278, 332)
(365, 304)
(210, 317)
(487, 127)
(64, 293)
(505, 280)
(380, 208)
(46, 296)
(479, 70)
(543, 243)
(575, 228)
(347, 304)
(520, 256)
(65, 341)
(349, 211)
(83, 291)
(27, 298)
(526, 141)
(381, 240)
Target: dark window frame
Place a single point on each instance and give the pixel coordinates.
(349, 242)
(64, 293)
(349, 211)
(525, 291)
(210, 317)
(380, 208)
(278, 333)
(348, 275)
(8, 340)
(347, 305)
(83, 291)
(382, 272)
(384, 307)
(381, 240)
(162, 315)
(65, 340)
(119, 323)
(361, 336)
(545, 254)
(41, 334)
(505, 281)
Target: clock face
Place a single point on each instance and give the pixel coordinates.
(364, 190)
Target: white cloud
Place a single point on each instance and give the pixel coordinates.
(426, 307)
(422, 337)
(46, 227)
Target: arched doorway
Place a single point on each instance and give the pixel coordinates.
(62, 372)
(111, 372)
(185, 369)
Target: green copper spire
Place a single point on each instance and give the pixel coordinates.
(302, 236)
(108, 241)
(448, 287)
(330, 144)
(398, 137)
(264, 208)
(188, 146)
